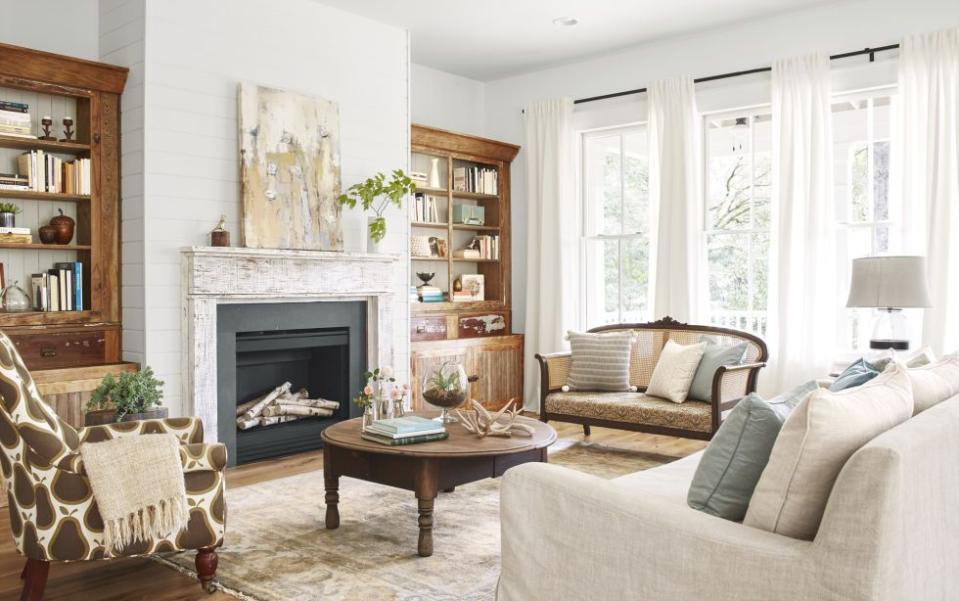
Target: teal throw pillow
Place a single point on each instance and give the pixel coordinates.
(714, 356)
(735, 458)
(857, 374)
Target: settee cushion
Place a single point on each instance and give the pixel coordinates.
(632, 408)
(715, 355)
(735, 458)
(600, 361)
(815, 442)
(675, 370)
(934, 382)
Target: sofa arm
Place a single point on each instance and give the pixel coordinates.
(196, 457)
(733, 382)
(569, 535)
(188, 429)
(553, 373)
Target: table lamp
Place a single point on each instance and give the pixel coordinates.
(889, 284)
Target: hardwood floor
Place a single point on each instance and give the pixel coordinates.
(141, 578)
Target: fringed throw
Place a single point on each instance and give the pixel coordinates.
(138, 485)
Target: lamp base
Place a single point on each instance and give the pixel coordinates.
(896, 345)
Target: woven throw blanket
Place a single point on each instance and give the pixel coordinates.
(137, 482)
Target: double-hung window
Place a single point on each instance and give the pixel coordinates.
(615, 180)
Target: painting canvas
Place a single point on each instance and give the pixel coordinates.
(290, 170)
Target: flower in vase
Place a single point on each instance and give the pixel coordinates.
(387, 373)
(395, 394)
(368, 390)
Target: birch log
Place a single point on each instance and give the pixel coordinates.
(296, 409)
(277, 419)
(256, 409)
(320, 403)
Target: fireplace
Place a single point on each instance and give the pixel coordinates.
(317, 346)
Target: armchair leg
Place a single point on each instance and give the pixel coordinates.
(206, 560)
(586, 430)
(34, 579)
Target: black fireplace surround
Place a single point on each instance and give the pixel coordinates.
(320, 346)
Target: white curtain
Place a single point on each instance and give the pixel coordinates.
(929, 173)
(551, 238)
(676, 264)
(803, 295)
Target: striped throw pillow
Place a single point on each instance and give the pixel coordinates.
(600, 361)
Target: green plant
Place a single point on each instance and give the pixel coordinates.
(9, 207)
(373, 379)
(376, 194)
(132, 392)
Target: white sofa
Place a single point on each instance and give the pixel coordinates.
(890, 532)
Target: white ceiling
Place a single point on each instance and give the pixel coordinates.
(491, 39)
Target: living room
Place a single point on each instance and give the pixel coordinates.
(359, 299)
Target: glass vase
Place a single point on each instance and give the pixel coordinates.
(446, 388)
(367, 418)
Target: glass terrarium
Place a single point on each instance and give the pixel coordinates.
(446, 388)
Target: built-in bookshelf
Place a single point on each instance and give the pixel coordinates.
(88, 331)
(467, 231)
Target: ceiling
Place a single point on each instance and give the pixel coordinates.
(492, 39)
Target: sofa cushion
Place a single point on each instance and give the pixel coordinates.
(715, 355)
(600, 361)
(675, 370)
(858, 373)
(935, 382)
(814, 444)
(632, 408)
(735, 458)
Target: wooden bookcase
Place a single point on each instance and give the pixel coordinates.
(67, 350)
(478, 333)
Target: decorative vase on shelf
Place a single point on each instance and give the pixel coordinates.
(15, 299)
(8, 219)
(372, 246)
(433, 179)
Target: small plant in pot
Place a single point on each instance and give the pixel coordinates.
(8, 214)
(133, 396)
(376, 194)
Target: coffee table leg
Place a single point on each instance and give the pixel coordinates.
(332, 491)
(425, 545)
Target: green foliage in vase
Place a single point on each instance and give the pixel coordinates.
(439, 381)
(9, 207)
(377, 194)
(132, 392)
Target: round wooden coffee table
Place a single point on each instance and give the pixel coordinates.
(424, 468)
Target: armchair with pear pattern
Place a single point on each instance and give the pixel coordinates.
(53, 515)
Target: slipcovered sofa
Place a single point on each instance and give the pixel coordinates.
(637, 411)
(890, 531)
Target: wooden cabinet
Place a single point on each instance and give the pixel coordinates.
(496, 361)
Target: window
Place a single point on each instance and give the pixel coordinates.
(862, 126)
(738, 180)
(615, 169)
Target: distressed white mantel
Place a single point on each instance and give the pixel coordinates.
(213, 275)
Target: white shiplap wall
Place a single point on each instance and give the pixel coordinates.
(196, 52)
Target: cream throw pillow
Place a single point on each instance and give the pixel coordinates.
(935, 382)
(675, 370)
(814, 444)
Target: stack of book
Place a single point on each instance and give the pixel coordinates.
(430, 294)
(480, 247)
(12, 181)
(47, 173)
(424, 209)
(58, 289)
(15, 119)
(475, 179)
(419, 178)
(15, 235)
(405, 430)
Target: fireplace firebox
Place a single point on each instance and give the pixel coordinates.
(317, 346)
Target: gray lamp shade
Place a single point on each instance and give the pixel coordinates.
(894, 282)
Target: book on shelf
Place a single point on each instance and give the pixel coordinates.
(59, 288)
(14, 107)
(373, 437)
(48, 173)
(424, 209)
(481, 180)
(15, 235)
(480, 247)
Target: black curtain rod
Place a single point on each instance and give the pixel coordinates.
(865, 51)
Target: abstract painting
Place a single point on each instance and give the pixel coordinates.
(289, 170)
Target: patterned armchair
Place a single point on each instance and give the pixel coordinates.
(635, 410)
(53, 515)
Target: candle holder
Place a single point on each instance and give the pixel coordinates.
(67, 130)
(46, 124)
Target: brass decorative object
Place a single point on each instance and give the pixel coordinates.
(46, 124)
(68, 130)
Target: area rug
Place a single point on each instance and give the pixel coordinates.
(277, 548)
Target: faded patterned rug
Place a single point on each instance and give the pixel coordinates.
(277, 548)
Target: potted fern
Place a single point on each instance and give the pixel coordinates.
(131, 397)
(376, 194)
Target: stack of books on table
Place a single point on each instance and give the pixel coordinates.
(15, 119)
(430, 294)
(405, 430)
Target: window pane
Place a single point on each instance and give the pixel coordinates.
(880, 180)
(635, 280)
(602, 282)
(762, 176)
(603, 185)
(851, 160)
(728, 273)
(636, 183)
(729, 173)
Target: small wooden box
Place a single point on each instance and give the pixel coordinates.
(53, 351)
(480, 326)
(428, 328)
